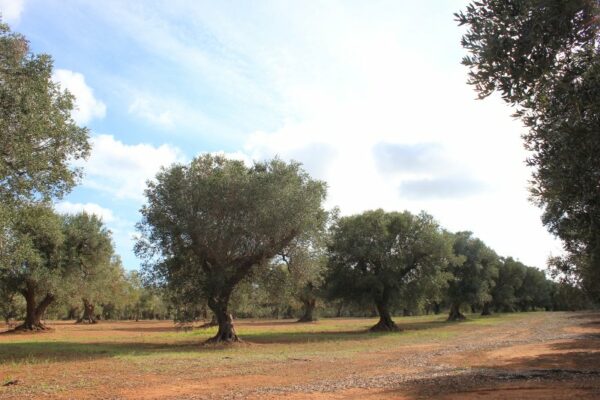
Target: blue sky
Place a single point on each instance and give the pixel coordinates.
(369, 95)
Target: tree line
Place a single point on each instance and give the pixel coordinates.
(216, 233)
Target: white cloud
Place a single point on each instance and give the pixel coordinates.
(154, 113)
(87, 107)
(66, 207)
(121, 169)
(11, 10)
(344, 78)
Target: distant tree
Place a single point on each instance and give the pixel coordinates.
(543, 57)
(306, 261)
(38, 138)
(473, 279)
(426, 294)
(133, 295)
(535, 291)
(566, 297)
(31, 252)
(88, 251)
(115, 293)
(375, 255)
(207, 225)
(511, 274)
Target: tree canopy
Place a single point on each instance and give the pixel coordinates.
(88, 253)
(208, 224)
(38, 138)
(472, 280)
(376, 255)
(543, 57)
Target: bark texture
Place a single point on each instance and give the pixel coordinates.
(385, 324)
(88, 316)
(486, 309)
(34, 312)
(455, 314)
(226, 333)
(309, 308)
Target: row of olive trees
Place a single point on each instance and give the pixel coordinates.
(50, 262)
(48, 257)
(217, 232)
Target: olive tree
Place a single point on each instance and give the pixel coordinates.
(208, 225)
(376, 256)
(30, 250)
(88, 253)
(543, 58)
(473, 279)
(38, 138)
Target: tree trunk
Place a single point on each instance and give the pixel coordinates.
(72, 314)
(385, 324)
(309, 308)
(33, 317)
(226, 333)
(486, 309)
(88, 313)
(338, 313)
(436, 308)
(455, 314)
(405, 312)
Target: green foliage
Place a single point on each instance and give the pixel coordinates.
(511, 276)
(534, 291)
(544, 58)
(208, 225)
(472, 279)
(88, 253)
(38, 138)
(31, 251)
(377, 256)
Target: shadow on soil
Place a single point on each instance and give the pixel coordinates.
(570, 369)
(40, 350)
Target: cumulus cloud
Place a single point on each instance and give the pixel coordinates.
(87, 107)
(66, 207)
(121, 169)
(11, 10)
(388, 121)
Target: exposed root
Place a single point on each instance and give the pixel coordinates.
(385, 326)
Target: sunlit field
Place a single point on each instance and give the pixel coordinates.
(281, 358)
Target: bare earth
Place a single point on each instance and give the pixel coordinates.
(515, 356)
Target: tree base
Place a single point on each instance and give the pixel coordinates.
(485, 313)
(223, 339)
(31, 328)
(307, 319)
(456, 317)
(385, 326)
(86, 321)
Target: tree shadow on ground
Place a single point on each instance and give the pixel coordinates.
(39, 349)
(565, 370)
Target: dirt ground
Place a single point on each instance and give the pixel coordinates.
(513, 356)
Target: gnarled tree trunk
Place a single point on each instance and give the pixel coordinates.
(226, 332)
(88, 313)
(455, 314)
(385, 324)
(34, 313)
(309, 308)
(486, 309)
